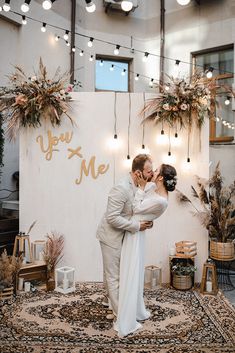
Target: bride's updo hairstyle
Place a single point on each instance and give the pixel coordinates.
(169, 176)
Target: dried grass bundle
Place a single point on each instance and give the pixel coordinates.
(30, 100)
(53, 251)
(218, 203)
(9, 265)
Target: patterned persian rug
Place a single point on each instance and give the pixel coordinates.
(181, 322)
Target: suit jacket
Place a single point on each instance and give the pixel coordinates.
(118, 216)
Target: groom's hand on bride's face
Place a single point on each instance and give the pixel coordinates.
(145, 225)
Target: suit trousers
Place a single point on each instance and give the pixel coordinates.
(111, 269)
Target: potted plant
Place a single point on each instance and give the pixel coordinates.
(52, 255)
(182, 275)
(9, 265)
(217, 213)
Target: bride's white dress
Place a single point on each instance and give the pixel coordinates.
(148, 205)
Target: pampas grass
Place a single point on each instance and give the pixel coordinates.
(9, 265)
(218, 206)
(53, 251)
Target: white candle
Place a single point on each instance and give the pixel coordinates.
(27, 286)
(65, 283)
(208, 286)
(41, 257)
(24, 260)
(20, 283)
(172, 251)
(154, 282)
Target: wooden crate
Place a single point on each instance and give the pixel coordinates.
(7, 293)
(222, 251)
(186, 248)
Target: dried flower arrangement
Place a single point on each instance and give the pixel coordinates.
(183, 269)
(28, 100)
(9, 265)
(181, 102)
(218, 206)
(53, 251)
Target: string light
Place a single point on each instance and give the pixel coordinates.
(43, 28)
(57, 38)
(66, 35)
(73, 49)
(47, 4)
(137, 77)
(6, 6)
(90, 43)
(111, 67)
(227, 101)
(101, 62)
(67, 43)
(91, 58)
(209, 72)
(0, 8)
(183, 2)
(81, 53)
(123, 73)
(176, 68)
(151, 83)
(90, 6)
(125, 47)
(145, 57)
(126, 5)
(24, 22)
(116, 50)
(25, 6)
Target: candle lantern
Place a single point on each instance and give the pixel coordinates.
(64, 280)
(37, 247)
(153, 276)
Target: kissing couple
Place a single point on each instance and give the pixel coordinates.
(133, 204)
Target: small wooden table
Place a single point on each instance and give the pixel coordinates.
(33, 271)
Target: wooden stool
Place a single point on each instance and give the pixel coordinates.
(19, 245)
(205, 284)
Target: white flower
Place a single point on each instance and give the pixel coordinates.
(34, 78)
(62, 91)
(183, 106)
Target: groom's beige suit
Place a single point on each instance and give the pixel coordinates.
(116, 220)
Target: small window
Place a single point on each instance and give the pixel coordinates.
(112, 75)
(222, 61)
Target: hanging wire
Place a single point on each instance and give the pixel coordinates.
(129, 126)
(115, 115)
(188, 158)
(169, 137)
(143, 131)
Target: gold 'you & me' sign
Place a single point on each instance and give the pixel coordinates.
(86, 167)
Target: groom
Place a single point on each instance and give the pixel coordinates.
(118, 219)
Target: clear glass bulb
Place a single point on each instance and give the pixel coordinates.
(183, 2)
(24, 7)
(6, 7)
(90, 7)
(126, 5)
(47, 4)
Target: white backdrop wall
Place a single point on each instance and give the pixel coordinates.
(50, 195)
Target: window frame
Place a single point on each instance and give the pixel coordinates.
(213, 137)
(118, 59)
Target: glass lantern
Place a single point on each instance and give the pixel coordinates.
(37, 247)
(64, 280)
(153, 276)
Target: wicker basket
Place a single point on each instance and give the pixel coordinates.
(7, 293)
(186, 248)
(182, 282)
(222, 251)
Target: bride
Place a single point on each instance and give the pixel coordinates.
(151, 200)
